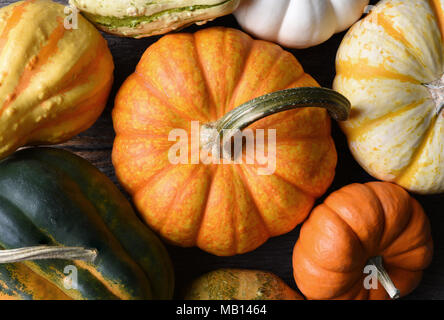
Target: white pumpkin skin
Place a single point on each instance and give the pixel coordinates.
(298, 23)
(385, 67)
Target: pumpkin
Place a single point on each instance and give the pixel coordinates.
(185, 81)
(298, 23)
(50, 197)
(139, 18)
(375, 224)
(54, 81)
(240, 284)
(390, 67)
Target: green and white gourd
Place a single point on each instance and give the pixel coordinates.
(141, 18)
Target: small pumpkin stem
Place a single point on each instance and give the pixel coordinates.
(241, 117)
(384, 278)
(47, 253)
(436, 89)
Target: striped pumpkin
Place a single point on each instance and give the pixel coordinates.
(390, 66)
(54, 81)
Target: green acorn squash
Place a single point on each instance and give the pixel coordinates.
(52, 197)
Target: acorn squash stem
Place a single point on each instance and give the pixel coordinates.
(384, 278)
(241, 117)
(46, 253)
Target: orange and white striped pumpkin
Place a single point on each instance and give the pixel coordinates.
(390, 66)
(54, 81)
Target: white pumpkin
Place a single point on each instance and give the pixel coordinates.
(298, 23)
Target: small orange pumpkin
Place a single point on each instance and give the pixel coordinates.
(356, 226)
(225, 209)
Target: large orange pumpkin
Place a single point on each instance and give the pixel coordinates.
(356, 226)
(225, 209)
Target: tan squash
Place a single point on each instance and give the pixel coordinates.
(141, 18)
(240, 284)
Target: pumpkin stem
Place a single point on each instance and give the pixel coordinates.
(436, 89)
(47, 253)
(384, 278)
(241, 117)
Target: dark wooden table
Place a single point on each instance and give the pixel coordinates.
(275, 255)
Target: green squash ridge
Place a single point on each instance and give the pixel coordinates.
(79, 173)
(36, 235)
(77, 169)
(13, 286)
(45, 267)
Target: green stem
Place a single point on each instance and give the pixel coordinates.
(47, 253)
(243, 116)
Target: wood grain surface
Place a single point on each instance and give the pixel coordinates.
(96, 143)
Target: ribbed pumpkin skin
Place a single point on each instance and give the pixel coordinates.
(354, 224)
(396, 131)
(240, 284)
(54, 82)
(52, 197)
(224, 209)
